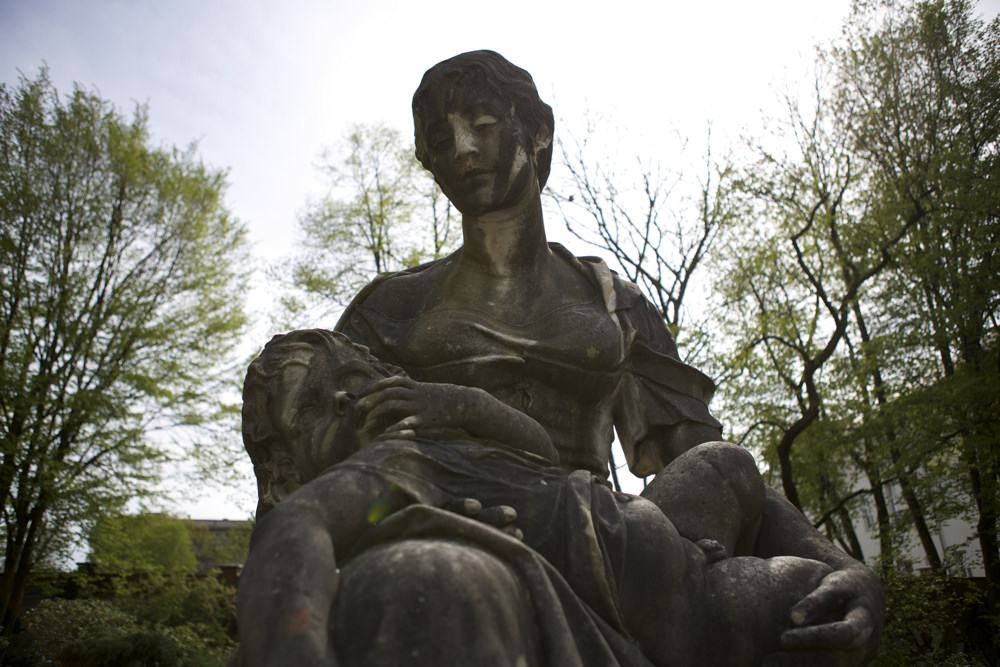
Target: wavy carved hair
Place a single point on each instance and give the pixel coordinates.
(491, 71)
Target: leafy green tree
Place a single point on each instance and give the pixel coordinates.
(152, 620)
(213, 549)
(857, 331)
(198, 611)
(861, 300)
(142, 543)
(928, 621)
(925, 110)
(121, 284)
(829, 292)
(56, 623)
(382, 214)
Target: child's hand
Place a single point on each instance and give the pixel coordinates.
(499, 516)
(713, 550)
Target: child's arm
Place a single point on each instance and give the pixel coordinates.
(290, 579)
(400, 405)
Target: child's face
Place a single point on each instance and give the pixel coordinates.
(345, 375)
(311, 396)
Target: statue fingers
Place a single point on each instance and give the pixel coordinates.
(379, 418)
(374, 398)
(515, 532)
(465, 506)
(385, 383)
(395, 435)
(714, 551)
(851, 632)
(825, 602)
(406, 424)
(500, 516)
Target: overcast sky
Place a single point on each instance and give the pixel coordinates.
(263, 86)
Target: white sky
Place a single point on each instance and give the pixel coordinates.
(262, 86)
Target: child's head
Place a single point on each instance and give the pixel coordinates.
(296, 400)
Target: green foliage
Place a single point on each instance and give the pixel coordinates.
(200, 606)
(861, 311)
(142, 543)
(160, 543)
(141, 648)
(121, 284)
(54, 624)
(857, 332)
(382, 214)
(861, 305)
(933, 620)
(214, 549)
(165, 619)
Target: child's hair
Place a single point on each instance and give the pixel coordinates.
(273, 449)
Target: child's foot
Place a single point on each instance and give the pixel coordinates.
(713, 550)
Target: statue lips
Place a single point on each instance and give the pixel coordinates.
(475, 173)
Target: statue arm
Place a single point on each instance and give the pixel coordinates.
(287, 588)
(485, 416)
(290, 580)
(846, 610)
(661, 410)
(403, 407)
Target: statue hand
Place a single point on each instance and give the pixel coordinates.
(498, 516)
(843, 614)
(396, 406)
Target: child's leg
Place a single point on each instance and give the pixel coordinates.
(684, 611)
(407, 602)
(712, 491)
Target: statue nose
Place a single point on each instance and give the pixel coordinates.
(465, 143)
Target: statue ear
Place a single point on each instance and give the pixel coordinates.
(543, 139)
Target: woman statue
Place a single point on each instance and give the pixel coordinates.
(494, 379)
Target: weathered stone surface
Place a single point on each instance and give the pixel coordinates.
(439, 496)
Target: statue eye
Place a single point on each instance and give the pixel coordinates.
(437, 136)
(484, 123)
(439, 143)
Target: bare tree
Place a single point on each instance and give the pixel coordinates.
(658, 223)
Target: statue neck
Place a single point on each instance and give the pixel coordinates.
(507, 243)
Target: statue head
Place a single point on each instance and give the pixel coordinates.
(297, 408)
(485, 74)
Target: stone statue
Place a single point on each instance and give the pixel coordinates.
(432, 476)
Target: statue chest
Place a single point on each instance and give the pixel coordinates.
(569, 339)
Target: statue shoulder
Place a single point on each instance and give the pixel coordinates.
(396, 295)
(619, 293)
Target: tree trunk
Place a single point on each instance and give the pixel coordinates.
(847, 527)
(909, 494)
(986, 527)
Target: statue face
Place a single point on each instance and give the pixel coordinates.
(347, 375)
(479, 155)
(314, 400)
